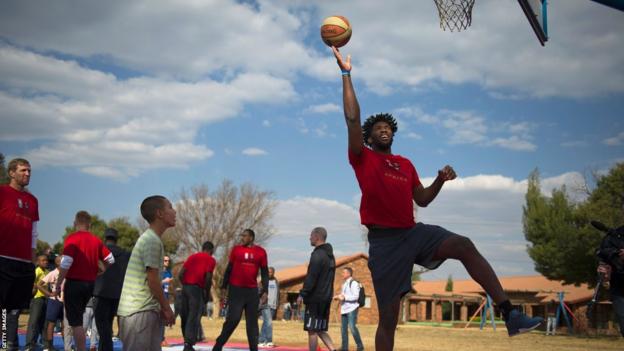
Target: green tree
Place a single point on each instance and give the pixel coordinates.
(449, 283)
(58, 247)
(447, 308)
(42, 246)
(562, 241)
(4, 175)
(127, 233)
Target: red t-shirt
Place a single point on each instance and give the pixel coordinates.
(196, 267)
(387, 183)
(86, 249)
(18, 211)
(246, 261)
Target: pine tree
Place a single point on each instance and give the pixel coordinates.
(563, 243)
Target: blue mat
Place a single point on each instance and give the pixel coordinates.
(58, 342)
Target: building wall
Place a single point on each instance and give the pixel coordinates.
(366, 315)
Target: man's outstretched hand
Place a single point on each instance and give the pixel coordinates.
(344, 65)
(447, 173)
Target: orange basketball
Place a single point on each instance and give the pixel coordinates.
(336, 31)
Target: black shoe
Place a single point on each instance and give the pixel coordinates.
(188, 347)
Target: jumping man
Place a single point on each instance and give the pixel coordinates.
(390, 186)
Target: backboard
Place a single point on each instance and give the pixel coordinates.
(535, 11)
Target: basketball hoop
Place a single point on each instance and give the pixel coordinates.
(455, 15)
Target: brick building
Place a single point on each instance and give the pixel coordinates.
(536, 295)
(291, 281)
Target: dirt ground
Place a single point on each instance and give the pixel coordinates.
(418, 338)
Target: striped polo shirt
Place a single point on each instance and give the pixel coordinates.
(135, 294)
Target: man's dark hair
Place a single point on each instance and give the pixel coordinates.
(367, 127)
(251, 232)
(350, 270)
(83, 217)
(207, 246)
(150, 205)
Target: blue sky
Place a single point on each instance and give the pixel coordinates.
(114, 101)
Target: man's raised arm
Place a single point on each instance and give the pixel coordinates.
(350, 104)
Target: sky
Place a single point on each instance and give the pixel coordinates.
(115, 101)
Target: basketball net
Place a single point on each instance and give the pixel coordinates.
(455, 15)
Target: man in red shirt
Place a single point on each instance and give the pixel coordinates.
(241, 275)
(196, 279)
(390, 186)
(82, 253)
(19, 213)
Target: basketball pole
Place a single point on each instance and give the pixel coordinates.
(562, 310)
(475, 314)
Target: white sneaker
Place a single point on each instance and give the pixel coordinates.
(269, 344)
(262, 344)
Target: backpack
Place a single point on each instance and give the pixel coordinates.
(362, 295)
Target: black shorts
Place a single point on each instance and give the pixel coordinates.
(393, 252)
(316, 317)
(54, 311)
(76, 295)
(16, 283)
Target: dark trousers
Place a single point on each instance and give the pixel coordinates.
(618, 308)
(190, 312)
(12, 317)
(240, 299)
(36, 320)
(105, 310)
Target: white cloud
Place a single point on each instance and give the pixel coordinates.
(201, 40)
(97, 123)
(324, 108)
(498, 52)
(298, 215)
(118, 160)
(254, 151)
(615, 141)
(575, 143)
(514, 143)
(467, 127)
(199, 37)
(413, 135)
(266, 123)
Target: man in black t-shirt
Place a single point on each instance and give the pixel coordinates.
(611, 254)
(107, 291)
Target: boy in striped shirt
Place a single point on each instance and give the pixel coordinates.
(142, 306)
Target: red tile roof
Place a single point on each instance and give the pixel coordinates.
(545, 289)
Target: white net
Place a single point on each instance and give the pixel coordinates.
(455, 15)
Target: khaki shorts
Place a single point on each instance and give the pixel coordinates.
(141, 331)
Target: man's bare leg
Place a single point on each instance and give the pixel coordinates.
(80, 338)
(461, 248)
(312, 341)
(388, 319)
(327, 340)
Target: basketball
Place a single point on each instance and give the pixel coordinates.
(335, 31)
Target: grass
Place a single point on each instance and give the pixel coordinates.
(418, 338)
(426, 338)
